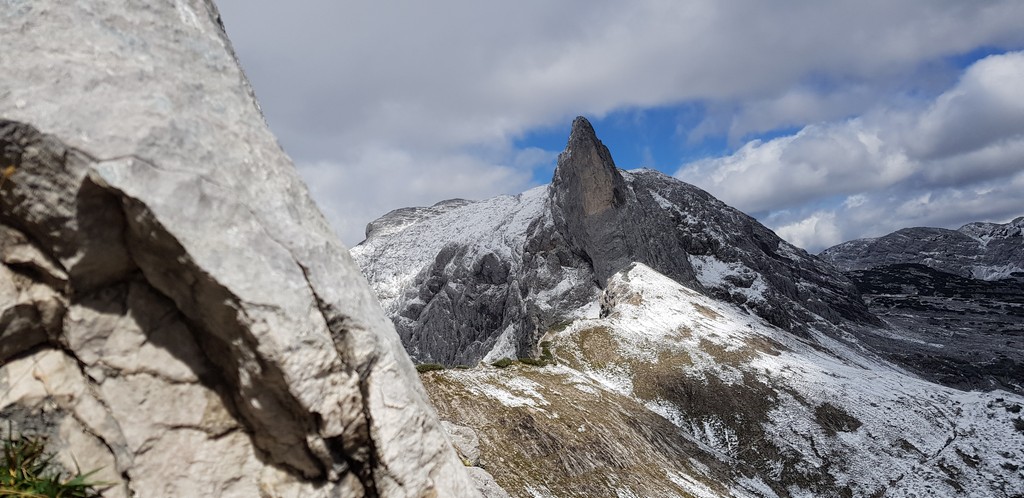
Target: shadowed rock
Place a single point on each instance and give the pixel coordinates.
(175, 309)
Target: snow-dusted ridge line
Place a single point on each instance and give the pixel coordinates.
(392, 257)
(894, 409)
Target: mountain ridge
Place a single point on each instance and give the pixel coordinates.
(957, 297)
(487, 278)
(670, 345)
(982, 250)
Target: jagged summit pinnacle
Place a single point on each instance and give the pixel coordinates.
(586, 179)
(583, 141)
(587, 192)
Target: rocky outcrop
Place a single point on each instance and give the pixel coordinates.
(986, 251)
(483, 280)
(176, 312)
(587, 198)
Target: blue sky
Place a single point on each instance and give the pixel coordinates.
(660, 137)
(825, 120)
(656, 138)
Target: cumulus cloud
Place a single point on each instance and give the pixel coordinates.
(457, 72)
(437, 93)
(953, 160)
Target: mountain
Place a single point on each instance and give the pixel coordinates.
(175, 312)
(956, 296)
(985, 251)
(642, 338)
(464, 281)
(669, 392)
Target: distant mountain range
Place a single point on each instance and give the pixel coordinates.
(986, 251)
(956, 298)
(657, 342)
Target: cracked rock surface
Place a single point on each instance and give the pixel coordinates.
(175, 310)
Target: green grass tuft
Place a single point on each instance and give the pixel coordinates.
(429, 367)
(503, 363)
(26, 470)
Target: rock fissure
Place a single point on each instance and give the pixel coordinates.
(357, 433)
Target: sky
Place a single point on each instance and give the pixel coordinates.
(826, 121)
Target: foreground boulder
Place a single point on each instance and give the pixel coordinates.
(174, 310)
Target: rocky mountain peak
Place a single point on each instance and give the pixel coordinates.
(586, 173)
(587, 191)
(487, 279)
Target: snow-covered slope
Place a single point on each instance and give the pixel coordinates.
(495, 226)
(778, 414)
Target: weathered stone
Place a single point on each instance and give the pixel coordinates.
(485, 482)
(465, 440)
(587, 194)
(196, 316)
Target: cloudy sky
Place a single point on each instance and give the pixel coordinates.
(827, 121)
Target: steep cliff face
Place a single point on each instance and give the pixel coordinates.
(175, 311)
(588, 201)
(486, 279)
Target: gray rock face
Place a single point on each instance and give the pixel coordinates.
(588, 196)
(488, 279)
(987, 251)
(175, 310)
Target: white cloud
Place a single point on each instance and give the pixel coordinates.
(817, 229)
(818, 161)
(986, 107)
(946, 163)
(422, 90)
(453, 73)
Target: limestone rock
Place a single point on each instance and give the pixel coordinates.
(587, 193)
(175, 309)
(485, 482)
(466, 442)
